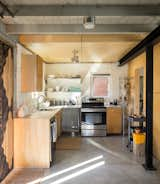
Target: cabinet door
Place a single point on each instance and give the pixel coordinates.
(39, 74)
(70, 117)
(114, 120)
(28, 73)
(59, 123)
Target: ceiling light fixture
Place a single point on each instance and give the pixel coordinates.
(89, 22)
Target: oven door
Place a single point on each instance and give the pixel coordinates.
(93, 122)
(93, 117)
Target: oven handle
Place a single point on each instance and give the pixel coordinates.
(87, 123)
(93, 110)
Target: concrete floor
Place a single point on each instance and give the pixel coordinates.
(108, 161)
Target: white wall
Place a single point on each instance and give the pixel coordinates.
(85, 70)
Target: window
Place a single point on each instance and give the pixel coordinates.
(100, 85)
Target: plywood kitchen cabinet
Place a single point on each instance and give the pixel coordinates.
(39, 74)
(114, 120)
(31, 73)
(32, 140)
(31, 143)
(28, 73)
(58, 118)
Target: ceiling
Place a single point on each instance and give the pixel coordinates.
(62, 2)
(46, 27)
(112, 16)
(79, 20)
(91, 48)
(89, 52)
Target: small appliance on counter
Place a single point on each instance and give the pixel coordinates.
(115, 102)
(93, 117)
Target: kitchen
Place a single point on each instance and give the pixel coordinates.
(71, 93)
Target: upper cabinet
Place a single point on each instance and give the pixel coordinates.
(39, 74)
(31, 73)
(28, 73)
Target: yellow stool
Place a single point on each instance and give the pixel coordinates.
(139, 138)
(139, 143)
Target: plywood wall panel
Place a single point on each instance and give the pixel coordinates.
(156, 102)
(156, 125)
(140, 62)
(156, 75)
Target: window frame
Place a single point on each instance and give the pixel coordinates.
(92, 84)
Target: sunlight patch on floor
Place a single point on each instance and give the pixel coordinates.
(78, 173)
(72, 168)
(99, 146)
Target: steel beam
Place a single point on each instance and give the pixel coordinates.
(8, 39)
(149, 109)
(85, 10)
(153, 37)
(76, 28)
(5, 9)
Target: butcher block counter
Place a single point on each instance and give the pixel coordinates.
(43, 114)
(32, 139)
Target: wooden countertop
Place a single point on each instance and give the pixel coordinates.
(42, 114)
(114, 106)
(64, 106)
(52, 111)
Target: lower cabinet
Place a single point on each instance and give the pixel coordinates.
(58, 117)
(114, 120)
(70, 119)
(32, 143)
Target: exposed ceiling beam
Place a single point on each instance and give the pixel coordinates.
(62, 38)
(5, 9)
(85, 10)
(9, 39)
(76, 28)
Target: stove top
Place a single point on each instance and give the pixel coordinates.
(93, 103)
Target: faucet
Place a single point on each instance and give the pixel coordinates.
(40, 100)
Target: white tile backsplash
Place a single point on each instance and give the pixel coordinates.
(86, 70)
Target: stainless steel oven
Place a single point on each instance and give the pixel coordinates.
(93, 119)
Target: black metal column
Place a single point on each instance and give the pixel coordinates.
(149, 109)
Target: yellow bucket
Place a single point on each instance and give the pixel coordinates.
(139, 138)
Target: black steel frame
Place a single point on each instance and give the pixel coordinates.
(146, 45)
(149, 109)
(152, 38)
(5, 8)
